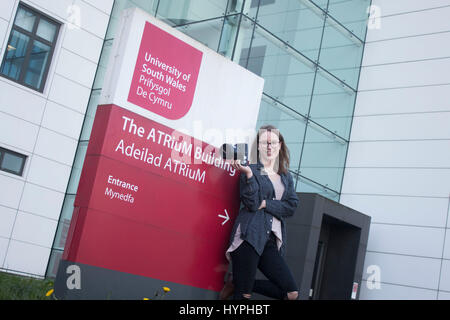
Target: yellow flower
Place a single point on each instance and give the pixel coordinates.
(166, 289)
(146, 299)
(49, 292)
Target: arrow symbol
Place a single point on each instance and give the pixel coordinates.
(226, 217)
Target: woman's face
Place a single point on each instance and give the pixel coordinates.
(269, 145)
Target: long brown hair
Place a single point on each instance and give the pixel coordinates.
(283, 156)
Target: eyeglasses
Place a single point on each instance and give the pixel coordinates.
(273, 144)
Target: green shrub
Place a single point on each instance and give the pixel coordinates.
(14, 287)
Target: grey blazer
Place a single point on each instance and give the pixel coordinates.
(256, 225)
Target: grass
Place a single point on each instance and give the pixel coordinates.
(14, 287)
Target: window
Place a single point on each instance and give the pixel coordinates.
(255, 3)
(11, 161)
(30, 48)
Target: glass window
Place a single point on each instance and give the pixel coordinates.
(149, 6)
(352, 14)
(11, 161)
(64, 222)
(206, 32)
(323, 157)
(229, 33)
(47, 30)
(15, 55)
(332, 104)
(30, 47)
(103, 64)
(322, 3)
(25, 19)
(53, 264)
(306, 185)
(235, 6)
(38, 61)
(341, 53)
(77, 167)
(178, 12)
(90, 116)
(294, 23)
(243, 41)
(288, 75)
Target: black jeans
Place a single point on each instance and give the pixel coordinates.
(245, 261)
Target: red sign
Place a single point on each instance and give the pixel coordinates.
(165, 75)
(153, 202)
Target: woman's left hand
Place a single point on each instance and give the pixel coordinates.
(263, 205)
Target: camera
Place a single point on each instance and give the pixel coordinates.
(237, 151)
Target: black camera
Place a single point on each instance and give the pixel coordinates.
(238, 151)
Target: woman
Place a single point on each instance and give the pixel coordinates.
(258, 238)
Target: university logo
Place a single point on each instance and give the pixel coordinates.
(165, 76)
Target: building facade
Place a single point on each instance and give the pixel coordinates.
(397, 168)
(50, 55)
(310, 54)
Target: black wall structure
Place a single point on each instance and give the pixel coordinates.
(326, 248)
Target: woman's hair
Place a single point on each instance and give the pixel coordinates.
(282, 165)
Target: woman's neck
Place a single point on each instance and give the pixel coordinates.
(268, 165)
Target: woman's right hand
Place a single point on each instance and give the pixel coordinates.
(236, 164)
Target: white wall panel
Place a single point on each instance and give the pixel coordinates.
(41, 201)
(445, 276)
(405, 100)
(69, 93)
(395, 292)
(55, 146)
(34, 229)
(59, 9)
(92, 19)
(103, 5)
(28, 258)
(3, 247)
(49, 173)
(405, 270)
(7, 217)
(10, 190)
(3, 33)
(415, 23)
(17, 132)
(412, 182)
(418, 154)
(416, 241)
(432, 72)
(63, 120)
(76, 68)
(427, 47)
(92, 45)
(389, 7)
(402, 127)
(19, 103)
(6, 9)
(418, 211)
(447, 245)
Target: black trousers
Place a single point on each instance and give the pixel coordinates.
(245, 261)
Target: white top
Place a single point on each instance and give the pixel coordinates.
(276, 224)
